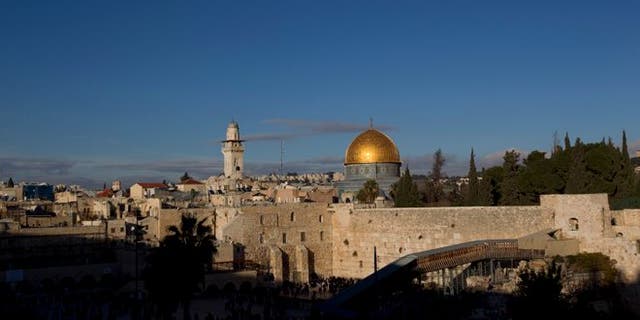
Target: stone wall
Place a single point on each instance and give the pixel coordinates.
(396, 232)
(301, 232)
(273, 234)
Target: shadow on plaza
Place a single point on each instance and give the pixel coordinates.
(80, 278)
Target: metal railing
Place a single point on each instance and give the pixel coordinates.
(456, 255)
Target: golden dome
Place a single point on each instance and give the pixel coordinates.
(372, 146)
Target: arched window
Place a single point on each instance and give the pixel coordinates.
(261, 220)
(292, 216)
(320, 218)
(573, 224)
(614, 222)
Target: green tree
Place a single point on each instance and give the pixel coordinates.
(491, 181)
(405, 191)
(369, 192)
(509, 187)
(539, 288)
(539, 176)
(625, 178)
(434, 191)
(176, 268)
(472, 195)
(567, 142)
(185, 177)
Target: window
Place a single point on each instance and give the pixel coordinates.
(614, 222)
(113, 230)
(292, 218)
(121, 229)
(261, 238)
(321, 235)
(573, 224)
(261, 220)
(284, 238)
(302, 237)
(361, 264)
(320, 218)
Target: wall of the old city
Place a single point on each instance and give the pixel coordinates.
(396, 232)
(296, 240)
(299, 231)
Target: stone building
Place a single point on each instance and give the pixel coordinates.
(371, 155)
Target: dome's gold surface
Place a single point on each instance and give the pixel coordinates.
(372, 146)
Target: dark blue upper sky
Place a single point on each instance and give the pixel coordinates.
(94, 91)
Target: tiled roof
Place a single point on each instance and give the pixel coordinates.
(106, 193)
(148, 185)
(191, 181)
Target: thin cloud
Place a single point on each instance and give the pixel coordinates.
(303, 128)
(496, 158)
(324, 126)
(22, 166)
(271, 136)
(422, 164)
(195, 167)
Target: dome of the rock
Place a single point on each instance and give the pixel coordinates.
(372, 146)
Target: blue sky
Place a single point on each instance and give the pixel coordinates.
(93, 91)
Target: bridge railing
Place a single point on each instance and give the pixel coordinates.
(474, 251)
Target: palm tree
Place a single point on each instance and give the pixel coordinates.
(176, 268)
(369, 192)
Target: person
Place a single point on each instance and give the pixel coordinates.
(490, 285)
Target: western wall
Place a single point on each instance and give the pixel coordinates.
(295, 240)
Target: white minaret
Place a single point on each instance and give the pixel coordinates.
(233, 150)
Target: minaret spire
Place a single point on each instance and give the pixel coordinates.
(370, 123)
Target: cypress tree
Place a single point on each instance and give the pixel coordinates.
(509, 186)
(433, 189)
(625, 176)
(406, 192)
(10, 183)
(567, 142)
(625, 150)
(472, 196)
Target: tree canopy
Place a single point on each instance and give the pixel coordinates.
(369, 192)
(434, 191)
(185, 177)
(576, 168)
(176, 268)
(405, 192)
